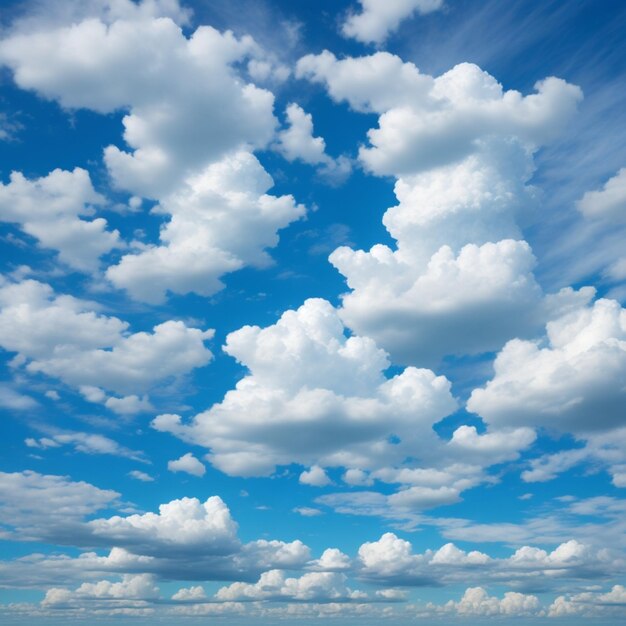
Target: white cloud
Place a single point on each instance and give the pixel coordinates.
(14, 400)
(51, 209)
(190, 593)
(274, 585)
(139, 587)
(476, 601)
(429, 122)
(142, 476)
(318, 398)
(460, 280)
(307, 511)
(221, 220)
(187, 106)
(315, 477)
(379, 18)
(185, 526)
(609, 202)
(38, 505)
(65, 338)
(573, 384)
(297, 142)
(188, 464)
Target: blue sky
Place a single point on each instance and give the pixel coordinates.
(313, 310)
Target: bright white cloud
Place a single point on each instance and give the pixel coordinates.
(315, 477)
(221, 220)
(315, 397)
(275, 585)
(296, 142)
(379, 18)
(51, 209)
(187, 107)
(188, 464)
(185, 526)
(461, 280)
(65, 338)
(609, 202)
(477, 602)
(572, 384)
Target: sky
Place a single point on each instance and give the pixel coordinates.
(313, 311)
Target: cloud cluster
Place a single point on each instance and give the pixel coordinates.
(461, 279)
(52, 210)
(191, 123)
(379, 18)
(315, 397)
(65, 338)
(222, 219)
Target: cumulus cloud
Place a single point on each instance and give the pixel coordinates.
(296, 142)
(221, 220)
(318, 398)
(190, 125)
(51, 209)
(187, 106)
(275, 585)
(477, 602)
(315, 477)
(573, 383)
(460, 279)
(184, 526)
(64, 337)
(607, 203)
(188, 464)
(430, 121)
(379, 18)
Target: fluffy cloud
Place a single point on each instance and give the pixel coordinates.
(378, 18)
(274, 585)
(429, 122)
(221, 220)
(319, 398)
(63, 337)
(461, 280)
(609, 202)
(139, 587)
(590, 604)
(186, 526)
(297, 142)
(476, 601)
(187, 106)
(573, 384)
(316, 477)
(188, 464)
(51, 209)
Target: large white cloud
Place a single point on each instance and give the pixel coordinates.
(315, 397)
(65, 338)
(429, 121)
(573, 383)
(51, 209)
(187, 107)
(221, 220)
(378, 18)
(185, 526)
(461, 279)
(191, 122)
